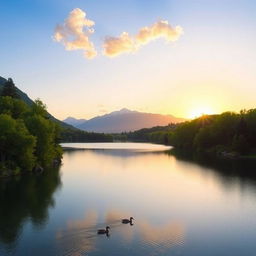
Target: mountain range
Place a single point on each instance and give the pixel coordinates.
(124, 120)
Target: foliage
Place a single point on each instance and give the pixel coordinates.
(16, 144)
(9, 89)
(13, 107)
(229, 132)
(158, 134)
(75, 135)
(240, 144)
(27, 137)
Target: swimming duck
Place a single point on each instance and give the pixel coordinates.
(126, 221)
(104, 231)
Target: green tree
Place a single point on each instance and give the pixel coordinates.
(16, 144)
(13, 107)
(27, 136)
(39, 108)
(45, 132)
(9, 89)
(240, 144)
(203, 139)
(250, 119)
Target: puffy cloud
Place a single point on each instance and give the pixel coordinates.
(157, 30)
(114, 46)
(75, 33)
(76, 30)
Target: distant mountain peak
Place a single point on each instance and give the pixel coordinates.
(74, 121)
(123, 120)
(125, 110)
(121, 112)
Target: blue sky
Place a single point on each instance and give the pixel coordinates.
(210, 67)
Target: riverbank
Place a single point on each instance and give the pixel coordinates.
(8, 172)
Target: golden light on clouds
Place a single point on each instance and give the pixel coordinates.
(75, 33)
(114, 46)
(76, 30)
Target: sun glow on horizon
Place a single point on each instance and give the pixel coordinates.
(200, 111)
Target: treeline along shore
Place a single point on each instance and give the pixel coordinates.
(228, 135)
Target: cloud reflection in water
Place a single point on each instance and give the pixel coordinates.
(80, 238)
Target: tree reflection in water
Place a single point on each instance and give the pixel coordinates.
(229, 172)
(24, 198)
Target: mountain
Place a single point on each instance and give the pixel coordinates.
(27, 100)
(126, 120)
(22, 95)
(73, 121)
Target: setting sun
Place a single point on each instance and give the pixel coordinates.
(197, 112)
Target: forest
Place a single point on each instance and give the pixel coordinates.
(228, 134)
(76, 135)
(157, 134)
(28, 140)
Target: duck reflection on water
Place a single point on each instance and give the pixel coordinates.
(128, 221)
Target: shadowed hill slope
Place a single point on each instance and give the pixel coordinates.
(29, 101)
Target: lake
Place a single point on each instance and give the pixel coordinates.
(180, 206)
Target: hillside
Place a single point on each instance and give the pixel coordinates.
(29, 101)
(126, 120)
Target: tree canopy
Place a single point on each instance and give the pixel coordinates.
(226, 132)
(9, 89)
(27, 137)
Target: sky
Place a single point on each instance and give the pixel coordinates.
(84, 58)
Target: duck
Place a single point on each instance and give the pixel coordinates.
(126, 221)
(104, 231)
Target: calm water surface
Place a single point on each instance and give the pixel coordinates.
(181, 207)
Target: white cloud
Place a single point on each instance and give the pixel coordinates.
(114, 46)
(75, 33)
